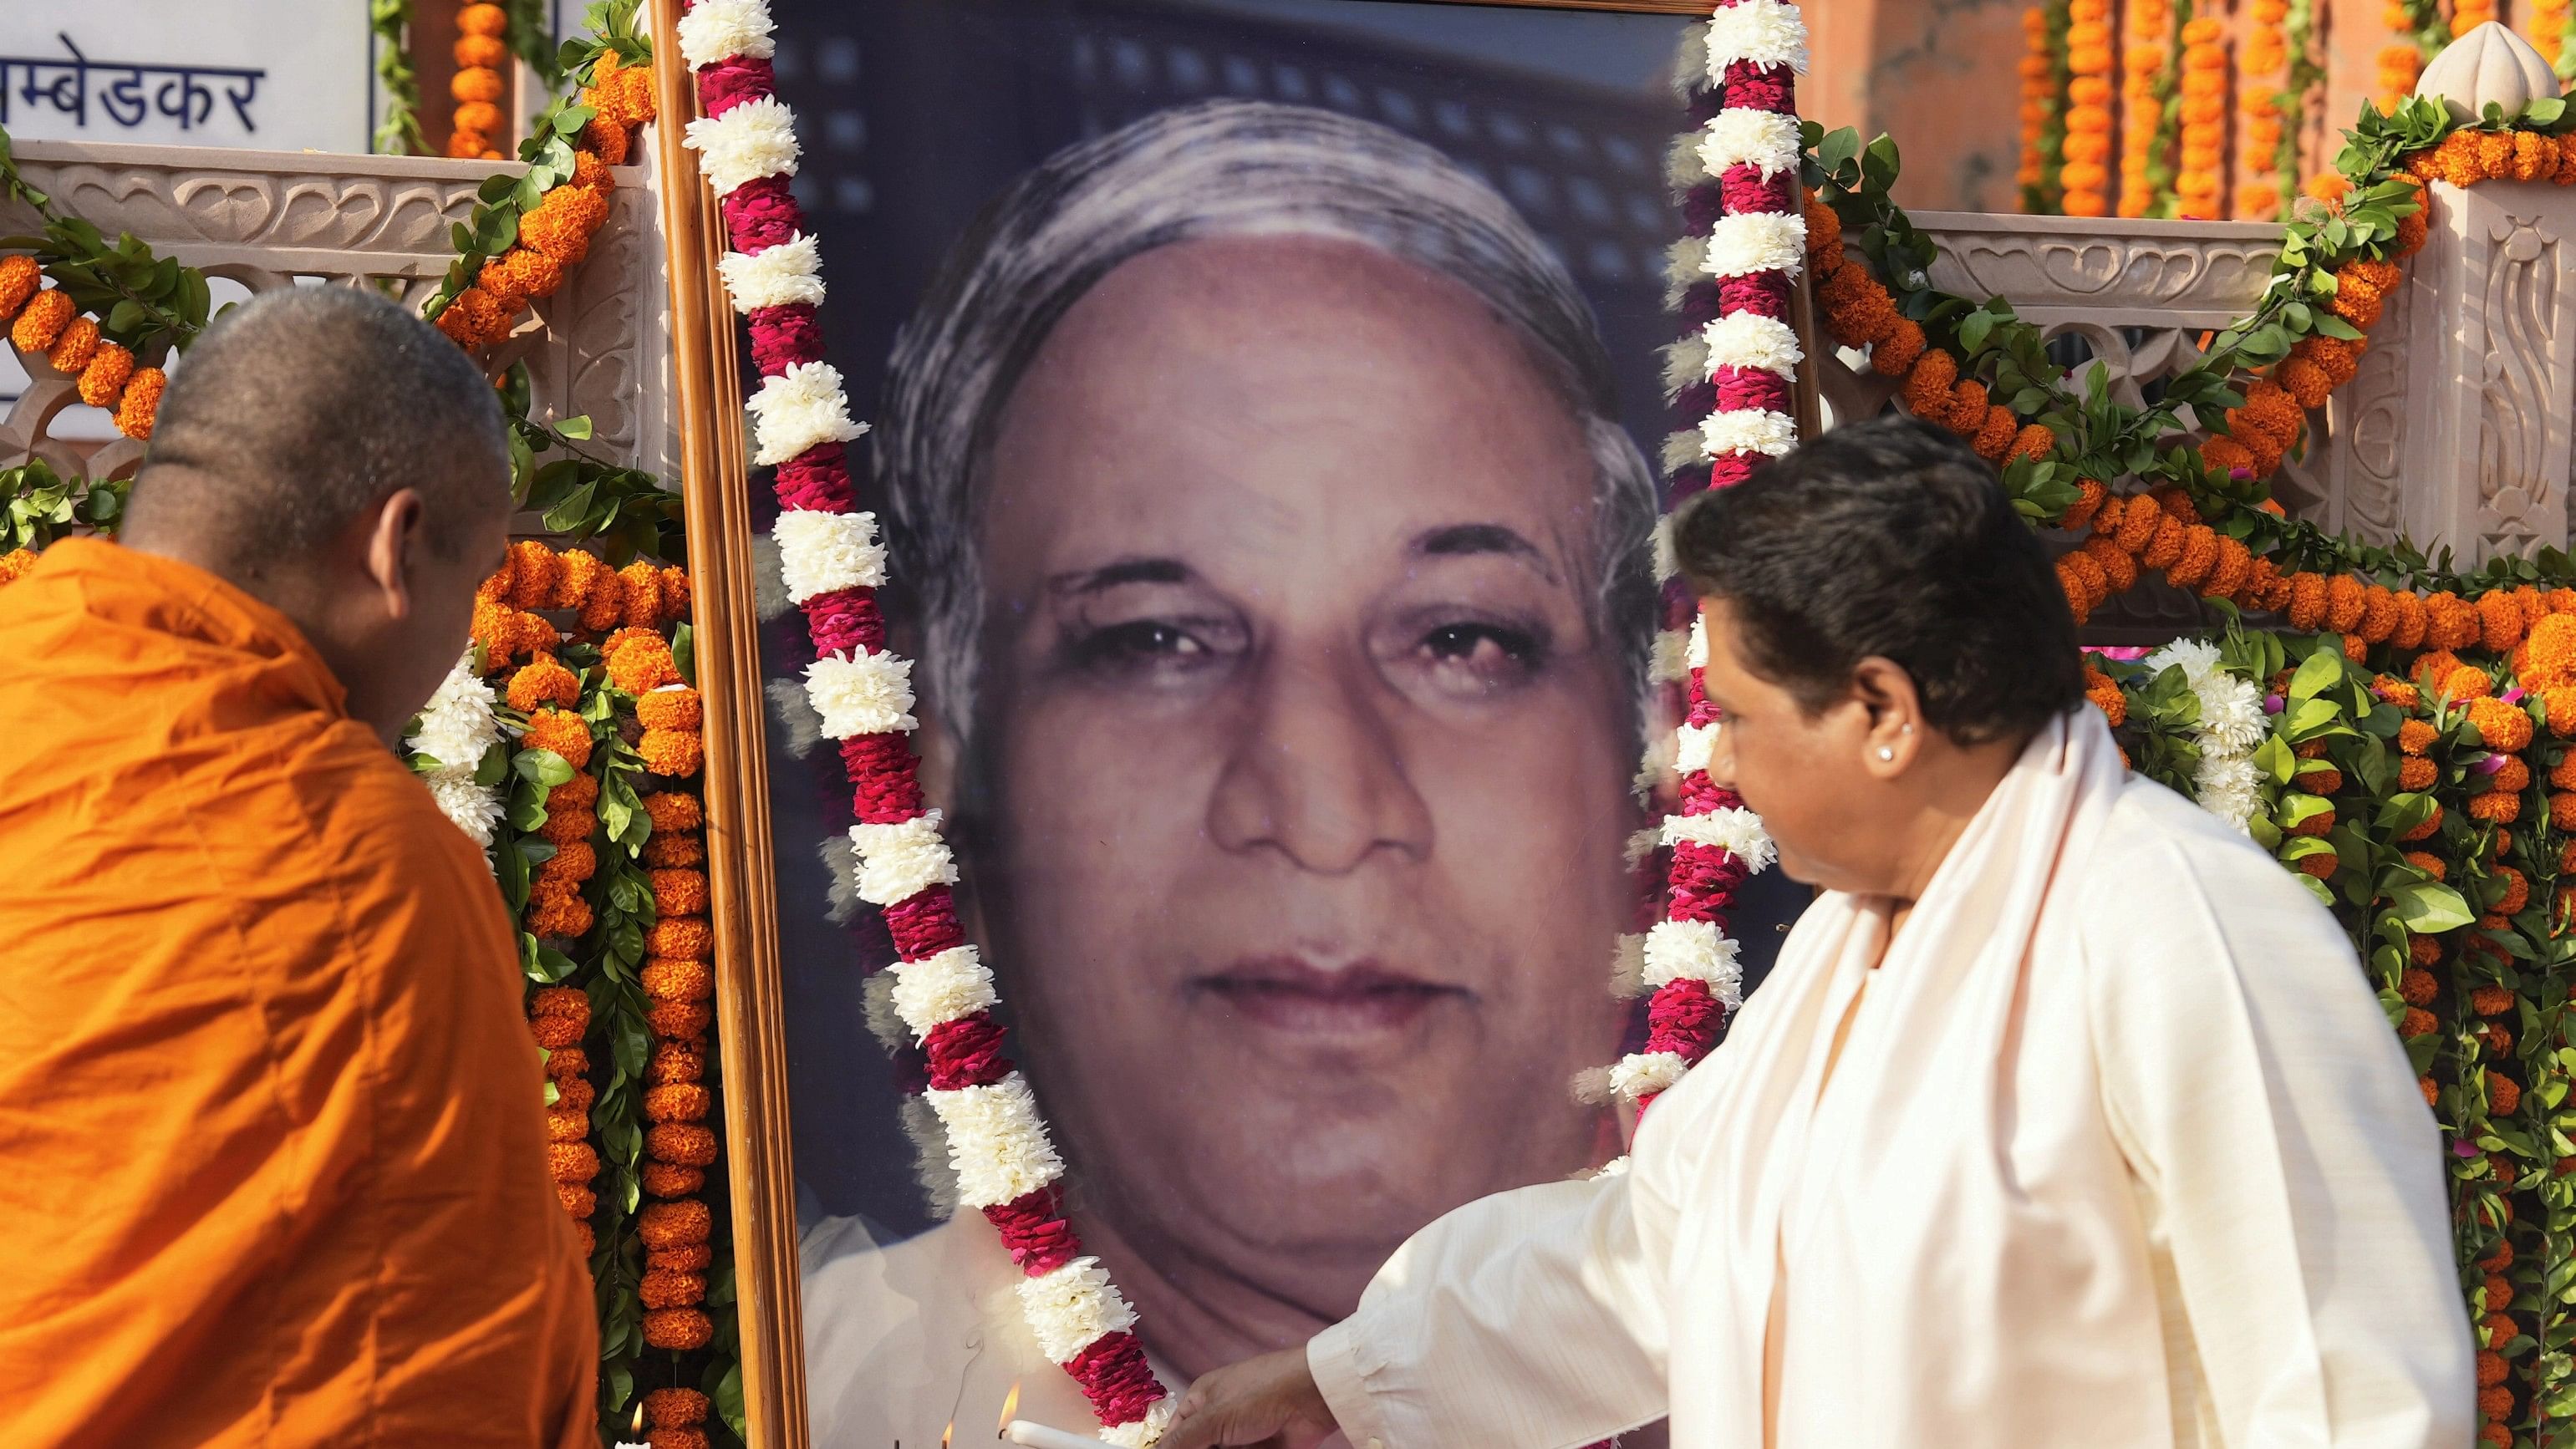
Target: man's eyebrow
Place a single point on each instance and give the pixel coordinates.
(1124, 571)
(1460, 539)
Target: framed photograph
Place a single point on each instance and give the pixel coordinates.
(1267, 398)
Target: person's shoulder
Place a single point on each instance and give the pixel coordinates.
(2172, 900)
(2158, 847)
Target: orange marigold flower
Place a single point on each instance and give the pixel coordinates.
(2321, 866)
(2417, 986)
(1896, 353)
(530, 272)
(643, 602)
(2079, 598)
(479, 117)
(2452, 622)
(682, 937)
(2491, 1001)
(2227, 577)
(2307, 382)
(1994, 438)
(15, 563)
(140, 403)
(2552, 660)
(2500, 619)
(2199, 556)
(679, 1020)
(2562, 809)
(72, 350)
(557, 913)
(47, 314)
(677, 1060)
(2307, 600)
(103, 381)
(2416, 768)
(2517, 891)
(678, 1329)
(677, 1102)
(642, 664)
(480, 52)
(578, 574)
(2428, 863)
(2034, 442)
(2468, 682)
(2491, 1368)
(476, 83)
(674, 1224)
(679, 892)
(20, 278)
(2087, 585)
(2315, 824)
(482, 19)
(671, 850)
(673, 707)
(672, 980)
(533, 568)
(2496, 1403)
(683, 1143)
(2395, 690)
(543, 681)
(2513, 776)
(2345, 600)
(2417, 1022)
(2504, 1094)
(570, 865)
(565, 1066)
(675, 1408)
(1928, 388)
(2415, 736)
(2503, 726)
(555, 1033)
(606, 603)
(673, 810)
(687, 1259)
(565, 1125)
(2356, 301)
(574, 1095)
(672, 1290)
(664, 1179)
(572, 1161)
(564, 733)
(578, 1201)
(2495, 809)
(2337, 359)
(2226, 455)
(2166, 546)
(474, 318)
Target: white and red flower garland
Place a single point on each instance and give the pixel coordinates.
(1734, 286)
(1006, 1166)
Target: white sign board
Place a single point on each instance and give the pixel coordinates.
(268, 75)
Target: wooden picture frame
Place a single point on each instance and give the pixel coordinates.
(706, 374)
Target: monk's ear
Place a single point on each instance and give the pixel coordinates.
(391, 548)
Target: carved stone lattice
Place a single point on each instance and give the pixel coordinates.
(275, 219)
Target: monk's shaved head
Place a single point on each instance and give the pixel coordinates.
(299, 412)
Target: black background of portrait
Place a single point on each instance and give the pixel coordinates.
(914, 113)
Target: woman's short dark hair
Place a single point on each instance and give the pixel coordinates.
(1889, 538)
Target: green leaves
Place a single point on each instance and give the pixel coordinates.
(37, 505)
(2428, 907)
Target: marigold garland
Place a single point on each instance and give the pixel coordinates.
(44, 324)
(2044, 79)
(477, 87)
(2200, 185)
(2086, 175)
(2263, 71)
(556, 232)
(2147, 73)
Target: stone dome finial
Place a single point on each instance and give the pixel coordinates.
(2488, 66)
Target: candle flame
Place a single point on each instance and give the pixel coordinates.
(947, 1434)
(1010, 1410)
(639, 1417)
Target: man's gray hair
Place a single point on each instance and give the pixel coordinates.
(1217, 168)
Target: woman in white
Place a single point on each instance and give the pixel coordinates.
(2066, 1118)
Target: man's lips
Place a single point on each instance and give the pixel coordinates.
(1289, 993)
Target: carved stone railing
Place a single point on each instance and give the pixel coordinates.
(2456, 430)
(275, 219)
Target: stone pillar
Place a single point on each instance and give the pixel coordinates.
(2490, 370)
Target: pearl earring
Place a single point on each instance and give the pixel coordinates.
(1886, 752)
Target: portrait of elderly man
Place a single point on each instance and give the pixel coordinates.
(1285, 611)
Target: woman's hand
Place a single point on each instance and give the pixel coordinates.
(1269, 1401)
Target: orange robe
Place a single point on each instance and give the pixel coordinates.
(272, 1145)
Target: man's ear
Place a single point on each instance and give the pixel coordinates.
(392, 544)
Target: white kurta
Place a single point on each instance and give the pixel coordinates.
(2120, 1153)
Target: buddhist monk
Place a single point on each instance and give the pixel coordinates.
(270, 1115)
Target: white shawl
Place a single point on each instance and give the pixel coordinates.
(2120, 1151)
